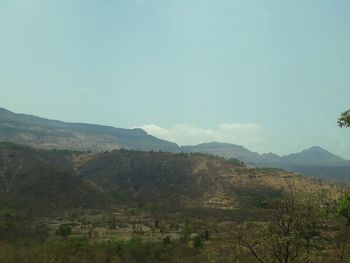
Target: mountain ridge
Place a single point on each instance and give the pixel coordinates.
(314, 161)
(47, 134)
(225, 150)
(43, 133)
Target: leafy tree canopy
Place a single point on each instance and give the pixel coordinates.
(344, 119)
(344, 207)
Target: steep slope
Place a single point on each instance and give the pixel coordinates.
(41, 182)
(49, 134)
(190, 180)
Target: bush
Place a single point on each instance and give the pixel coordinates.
(64, 230)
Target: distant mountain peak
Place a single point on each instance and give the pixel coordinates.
(314, 155)
(316, 148)
(319, 151)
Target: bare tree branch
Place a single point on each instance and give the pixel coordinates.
(246, 244)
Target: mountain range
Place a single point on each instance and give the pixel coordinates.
(315, 161)
(315, 155)
(46, 182)
(52, 134)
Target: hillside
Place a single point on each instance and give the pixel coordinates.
(315, 161)
(51, 134)
(191, 180)
(39, 182)
(42, 181)
(130, 202)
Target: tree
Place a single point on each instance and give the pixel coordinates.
(8, 223)
(64, 230)
(344, 204)
(344, 119)
(343, 238)
(291, 233)
(206, 235)
(344, 207)
(156, 223)
(198, 242)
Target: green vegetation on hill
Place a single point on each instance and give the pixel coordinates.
(43, 181)
(153, 178)
(133, 206)
(39, 182)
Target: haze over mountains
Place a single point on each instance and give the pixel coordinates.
(315, 155)
(314, 161)
(51, 134)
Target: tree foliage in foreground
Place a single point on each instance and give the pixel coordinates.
(344, 207)
(291, 234)
(344, 119)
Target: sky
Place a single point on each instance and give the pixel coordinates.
(270, 75)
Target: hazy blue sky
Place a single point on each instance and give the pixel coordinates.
(271, 75)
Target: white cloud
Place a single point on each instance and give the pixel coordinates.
(247, 134)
